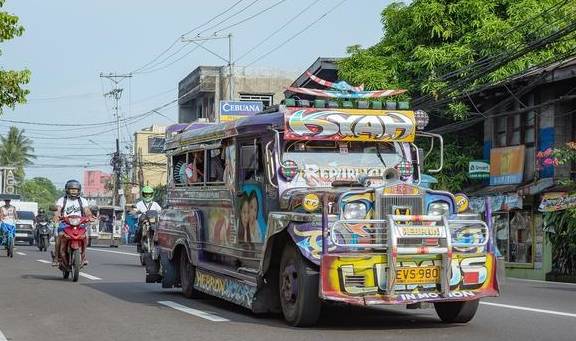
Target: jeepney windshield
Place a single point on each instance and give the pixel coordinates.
(319, 163)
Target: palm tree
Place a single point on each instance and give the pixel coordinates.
(16, 151)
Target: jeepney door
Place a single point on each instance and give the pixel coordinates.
(251, 210)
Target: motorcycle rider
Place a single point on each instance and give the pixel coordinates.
(8, 215)
(146, 204)
(40, 218)
(68, 205)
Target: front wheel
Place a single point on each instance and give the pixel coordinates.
(76, 263)
(10, 247)
(187, 276)
(298, 289)
(456, 312)
(45, 243)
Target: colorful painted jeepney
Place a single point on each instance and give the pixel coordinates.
(299, 205)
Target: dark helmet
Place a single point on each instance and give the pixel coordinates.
(73, 184)
(41, 211)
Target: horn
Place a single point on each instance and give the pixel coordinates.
(391, 174)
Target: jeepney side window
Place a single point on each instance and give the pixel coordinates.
(251, 166)
(216, 165)
(179, 163)
(195, 169)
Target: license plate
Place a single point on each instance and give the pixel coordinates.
(152, 220)
(21, 235)
(424, 231)
(418, 275)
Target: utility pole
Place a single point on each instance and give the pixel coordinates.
(116, 94)
(229, 62)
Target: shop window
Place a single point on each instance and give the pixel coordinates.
(514, 235)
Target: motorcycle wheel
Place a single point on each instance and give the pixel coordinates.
(10, 247)
(45, 243)
(76, 262)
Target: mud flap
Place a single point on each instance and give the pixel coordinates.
(153, 274)
(169, 272)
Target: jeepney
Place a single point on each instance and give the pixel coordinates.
(106, 230)
(298, 205)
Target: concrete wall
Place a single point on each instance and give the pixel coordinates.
(151, 168)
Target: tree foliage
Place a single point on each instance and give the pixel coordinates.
(40, 190)
(429, 38)
(458, 152)
(16, 151)
(561, 226)
(11, 82)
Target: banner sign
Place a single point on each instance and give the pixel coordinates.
(557, 201)
(478, 169)
(507, 165)
(232, 110)
(349, 125)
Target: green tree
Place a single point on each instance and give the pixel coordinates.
(429, 38)
(11, 82)
(40, 190)
(16, 151)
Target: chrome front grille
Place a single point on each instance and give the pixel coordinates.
(389, 204)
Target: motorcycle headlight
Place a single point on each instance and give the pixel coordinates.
(354, 210)
(74, 221)
(439, 208)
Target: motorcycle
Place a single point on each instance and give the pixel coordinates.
(8, 237)
(43, 236)
(144, 237)
(72, 250)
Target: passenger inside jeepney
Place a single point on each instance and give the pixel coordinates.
(195, 169)
(216, 165)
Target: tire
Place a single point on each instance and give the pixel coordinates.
(76, 263)
(187, 276)
(31, 243)
(298, 289)
(456, 312)
(10, 247)
(45, 243)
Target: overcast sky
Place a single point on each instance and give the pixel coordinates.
(68, 43)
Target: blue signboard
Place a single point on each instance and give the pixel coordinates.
(230, 110)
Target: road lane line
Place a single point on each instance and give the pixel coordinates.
(551, 312)
(94, 278)
(43, 261)
(2, 337)
(21, 253)
(537, 281)
(118, 252)
(195, 312)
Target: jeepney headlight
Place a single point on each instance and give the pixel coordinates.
(354, 210)
(438, 208)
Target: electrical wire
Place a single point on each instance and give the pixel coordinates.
(250, 17)
(332, 9)
(137, 70)
(288, 22)
(229, 17)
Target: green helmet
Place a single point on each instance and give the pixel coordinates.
(147, 194)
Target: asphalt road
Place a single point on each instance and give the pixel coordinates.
(111, 302)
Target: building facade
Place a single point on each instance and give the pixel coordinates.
(150, 160)
(524, 120)
(200, 93)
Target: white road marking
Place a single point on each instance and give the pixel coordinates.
(43, 261)
(551, 312)
(21, 253)
(118, 252)
(2, 337)
(195, 312)
(537, 281)
(94, 278)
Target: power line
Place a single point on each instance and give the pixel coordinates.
(290, 21)
(190, 31)
(250, 17)
(227, 18)
(297, 34)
